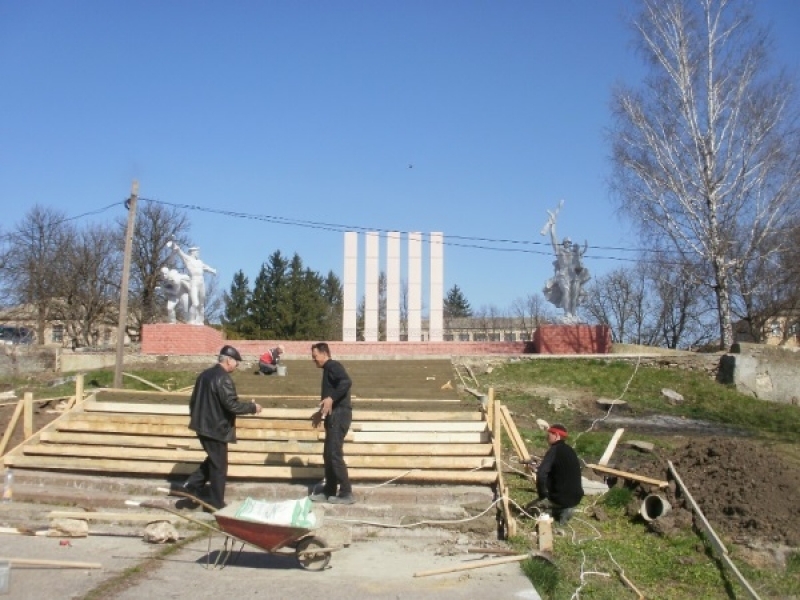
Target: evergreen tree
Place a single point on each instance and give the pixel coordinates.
(270, 294)
(456, 305)
(237, 306)
(333, 294)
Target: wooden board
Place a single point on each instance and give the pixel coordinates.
(295, 446)
(280, 424)
(264, 473)
(288, 413)
(258, 458)
(631, 476)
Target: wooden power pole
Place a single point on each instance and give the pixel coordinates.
(123, 292)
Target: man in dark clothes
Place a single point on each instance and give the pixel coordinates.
(213, 409)
(336, 410)
(558, 478)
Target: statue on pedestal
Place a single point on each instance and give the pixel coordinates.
(197, 285)
(565, 288)
(176, 290)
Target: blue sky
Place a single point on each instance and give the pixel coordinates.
(462, 116)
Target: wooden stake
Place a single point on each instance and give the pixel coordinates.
(27, 415)
(629, 583)
(11, 425)
(610, 449)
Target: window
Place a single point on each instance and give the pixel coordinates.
(510, 336)
(494, 337)
(480, 337)
(775, 329)
(447, 337)
(58, 334)
(463, 336)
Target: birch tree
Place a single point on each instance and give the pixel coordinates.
(705, 152)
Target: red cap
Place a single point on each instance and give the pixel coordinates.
(559, 430)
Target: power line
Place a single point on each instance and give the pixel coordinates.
(359, 228)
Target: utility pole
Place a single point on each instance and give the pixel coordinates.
(130, 204)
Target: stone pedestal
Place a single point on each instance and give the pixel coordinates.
(572, 339)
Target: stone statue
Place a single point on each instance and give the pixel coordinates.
(176, 289)
(197, 284)
(565, 288)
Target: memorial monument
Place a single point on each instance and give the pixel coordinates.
(565, 288)
(196, 285)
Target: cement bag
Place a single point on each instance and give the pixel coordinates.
(292, 513)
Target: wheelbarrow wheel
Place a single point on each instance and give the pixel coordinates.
(312, 561)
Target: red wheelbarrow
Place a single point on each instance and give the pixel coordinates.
(310, 550)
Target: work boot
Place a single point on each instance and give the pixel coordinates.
(319, 497)
(342, 499)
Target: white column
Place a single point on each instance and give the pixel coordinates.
(392, 286)
(371, 291)
(414, 287)
(350, 286)
(436, 322)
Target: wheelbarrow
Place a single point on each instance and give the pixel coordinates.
(311, 551)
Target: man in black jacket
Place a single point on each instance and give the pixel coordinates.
(558, 478)
(213, 409)
(336, 410)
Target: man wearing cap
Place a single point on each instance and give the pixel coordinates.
(558, 478)
(213, 409)
(268, 362)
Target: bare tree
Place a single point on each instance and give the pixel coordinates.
(619, 300)
(706, 154)
(32, 262)
(88, 285)
(531, 311)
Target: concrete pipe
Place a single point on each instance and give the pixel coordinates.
(654, 506)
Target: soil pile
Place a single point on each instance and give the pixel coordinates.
(744, 490)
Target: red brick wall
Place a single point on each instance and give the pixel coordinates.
(180, 339)
(572, 339)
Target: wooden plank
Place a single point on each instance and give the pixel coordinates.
(11, 425)
(248, 472)
(113, 517)
(314, 399)
(248, 433)
(257, 458)
(610, 448)
(514, 436)
(631, 476)
(433, 437)
(280, 424)
(27, 415)
(288, 413)
(298, 446)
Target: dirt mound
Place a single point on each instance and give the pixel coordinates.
(745, 490)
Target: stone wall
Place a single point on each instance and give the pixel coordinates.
(23, 359)
(765, 372)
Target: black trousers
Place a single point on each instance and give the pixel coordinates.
(214, 470)
(336, 477)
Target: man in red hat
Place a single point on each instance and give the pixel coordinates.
(558, 478)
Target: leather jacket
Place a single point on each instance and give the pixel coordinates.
(215, 404)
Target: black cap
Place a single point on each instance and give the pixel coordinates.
(231, 352)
